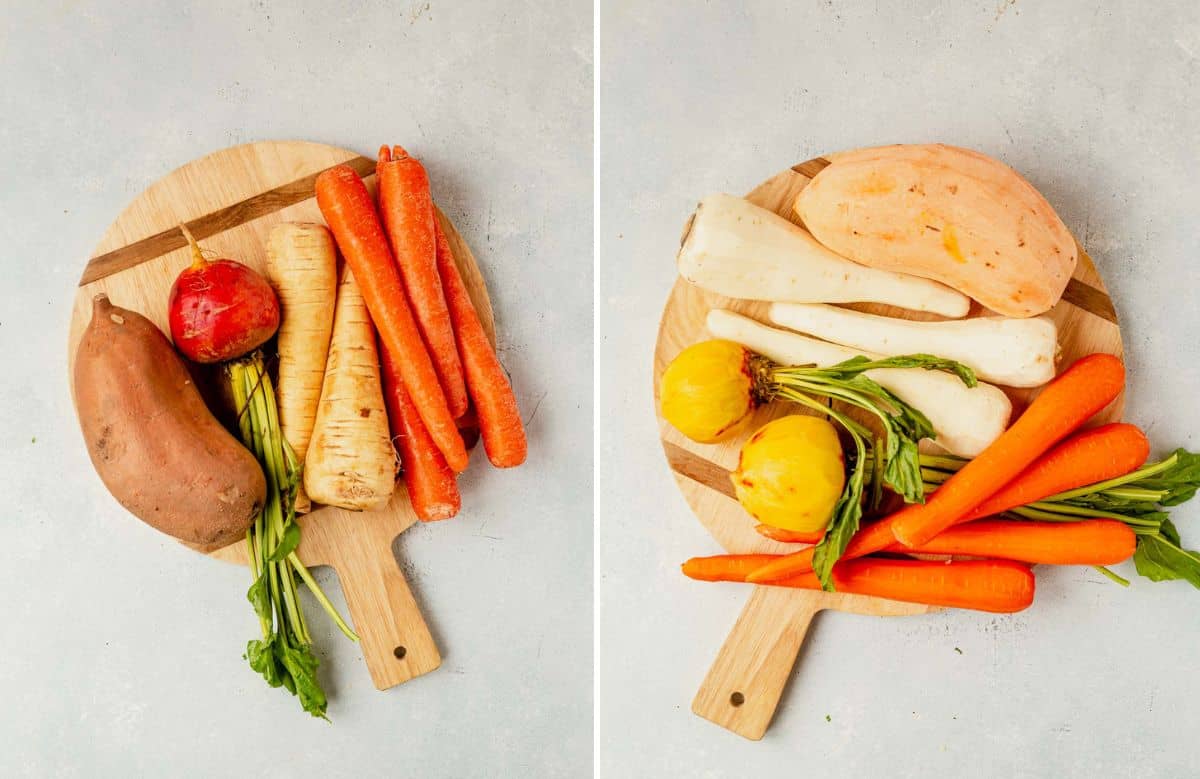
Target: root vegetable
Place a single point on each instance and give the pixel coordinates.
(302, 268)
(1011, 352)
(154, 443)
(734, 248)
(350, 460)
(967, 419)
(943, 213)
(407, 211)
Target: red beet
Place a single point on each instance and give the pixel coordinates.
(220, 309)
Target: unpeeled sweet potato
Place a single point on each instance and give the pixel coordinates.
(944, 213)
(155, 444)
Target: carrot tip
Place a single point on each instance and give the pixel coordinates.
(399, 153)
(385, 154)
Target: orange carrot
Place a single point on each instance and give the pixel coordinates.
(432, 488)
(789, 536)
(1089, 385)
(1090, 456)
(1001, 586)
(350, 214)
(725, 567)
(1088, 542)
(407, 211)
(499, 419)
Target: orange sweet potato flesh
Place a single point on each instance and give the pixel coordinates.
(944, 213)
(152, 440)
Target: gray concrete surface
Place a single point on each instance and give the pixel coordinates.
(1097, 104)
(120, 651)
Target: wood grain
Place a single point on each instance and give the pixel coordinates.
(758, 657)
(231, 199)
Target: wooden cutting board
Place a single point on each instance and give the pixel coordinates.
(230, 200)
(745, 683)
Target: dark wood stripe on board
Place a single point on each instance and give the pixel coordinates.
(227, 218)
(812, 167)
(699, 470)
(1090, 299)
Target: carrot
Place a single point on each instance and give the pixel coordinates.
(725, 567)
(350, 213)
(1089, 385)
(1001, 586)
(788, 536)
(350, 460)
(1088, 542)
(1088, 457)
(1091, 456)
(407, 211)
(499, 419)
(302, 267)
(432, 488)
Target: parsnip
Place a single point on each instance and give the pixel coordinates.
(302, 267)
(967, 420)
(1012, 352)
(351, 462)
(734, 248)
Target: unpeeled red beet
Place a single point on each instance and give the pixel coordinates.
(220, 309)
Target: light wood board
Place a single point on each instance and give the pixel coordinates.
(745, 683)
(230, 200)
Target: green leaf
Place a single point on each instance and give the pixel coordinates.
(260, 598)
(847, 514)
(1161, 558)
(287, 544)
(927, 362)
(1181, 481)
(261, 655)
(302, 663)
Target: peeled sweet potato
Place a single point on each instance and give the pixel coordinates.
(155, 444)
(944, 213)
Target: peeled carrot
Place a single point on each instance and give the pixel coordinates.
(432, 487)
(1089, 385)
(1088, 542)
(1000, 586)
(350, 213)
(407, 211)
(788, 536)
(499, 419)
(1088, 457)
(725, 567)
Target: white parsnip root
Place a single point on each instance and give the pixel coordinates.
(967, 420)
(302, 268)
(1012, 352)
(351, 462)
(734, 248)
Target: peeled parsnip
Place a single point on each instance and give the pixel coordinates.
(302, 268)
(967, 420)
(1012, 352)
(351, 462)
(734, 248)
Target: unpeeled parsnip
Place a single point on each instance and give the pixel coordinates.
(302, 267)
(351, 462)
(966, 419)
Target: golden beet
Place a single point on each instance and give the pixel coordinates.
(791, 473)
(707, 391)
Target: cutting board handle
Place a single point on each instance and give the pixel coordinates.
(746, 681)
(396, 642)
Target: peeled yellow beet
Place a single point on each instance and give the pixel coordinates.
(943, 213)
(791, 473)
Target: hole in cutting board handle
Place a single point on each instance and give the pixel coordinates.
(399, 652)
(737, 699)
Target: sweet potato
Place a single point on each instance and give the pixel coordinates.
(156, 446)
(944, 213)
